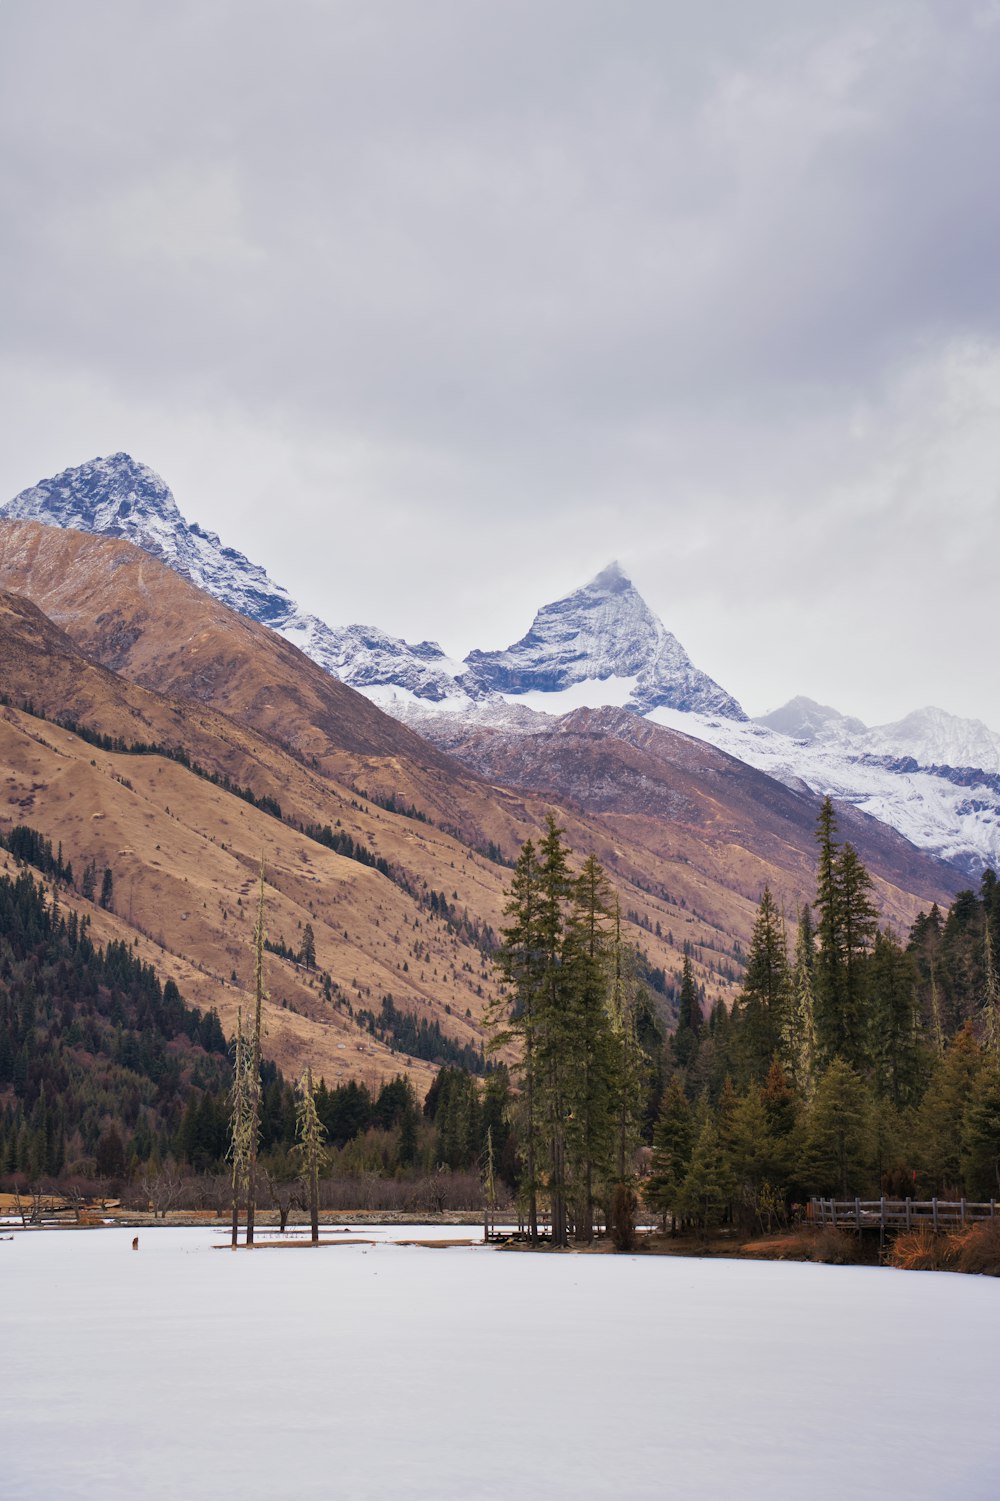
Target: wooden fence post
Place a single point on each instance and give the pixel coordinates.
(934, 1212)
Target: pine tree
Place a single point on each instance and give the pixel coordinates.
(896, 1053)
(707, 1183)
(554, 1020)
(631, 1066)
(254, 1101)
(308, 951)
(592, 1056)
(107, 889)
(925, 946)
(847, 922)
(981, 1134)
(762, 1006)
(520, 960)
(941, 1113)
(310, 1146)
(798, 1038)
(673, 1143)
(837, 1149)
(858, 925)
(689, 1017)
(991, 987)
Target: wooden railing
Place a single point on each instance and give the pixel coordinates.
(900, 1214)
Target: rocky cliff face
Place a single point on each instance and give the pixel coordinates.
(604, 631)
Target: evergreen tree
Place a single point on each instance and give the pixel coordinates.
(631, 1067)
(673, 1143)
(254, 1080)
(925, 946)
(689, 1017)
(593, 1057)
(762, 1007)
(981, 1134)
(847, 921)
(310, 1147)
(896, 1052)
(858, 926)
(554, 1020)
(308, 950)
(798, 1037)
(837, 1149)
(707, 1183)
(940, 1116)
(107, 889)
(521, 961)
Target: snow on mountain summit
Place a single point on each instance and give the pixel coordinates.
(602, 632)
(119, 497)
(932, 776)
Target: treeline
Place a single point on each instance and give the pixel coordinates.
(335, 839)
(106, 1073)
(420, 1039)
(853, 1065)
(572, 1011)
(97, 1057)
(32, 848)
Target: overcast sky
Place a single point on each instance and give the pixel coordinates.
(435, 306)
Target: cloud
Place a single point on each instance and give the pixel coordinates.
(435, 308)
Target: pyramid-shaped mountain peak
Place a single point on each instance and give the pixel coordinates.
(613, 578)
(603, 631)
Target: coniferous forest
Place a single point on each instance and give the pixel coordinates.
(855, 1061)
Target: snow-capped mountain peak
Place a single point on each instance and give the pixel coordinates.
(119, 497)
(804, 719)
(601, 633)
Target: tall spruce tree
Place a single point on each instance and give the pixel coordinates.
(592, 1060)
(632, 1066)
(254, 1080)
(673, 1143)
(846, 926)
(689, 1017)
(554, 1025)
(896, 1053)
(521, 961)
(798, 1038)
(310, 1146)
(763, 1003)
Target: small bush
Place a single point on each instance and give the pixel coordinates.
(923, 1251)
(836, 1248)
(978, 1250)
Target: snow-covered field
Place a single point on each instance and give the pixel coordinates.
(400, 1372)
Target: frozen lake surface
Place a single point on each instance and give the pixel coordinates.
(401, 1372)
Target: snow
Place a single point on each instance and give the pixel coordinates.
(955, 820)
(604, 630)
(612, 692)
(389, 1371)
(600, 646)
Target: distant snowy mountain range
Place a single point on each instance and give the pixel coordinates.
(933, 777)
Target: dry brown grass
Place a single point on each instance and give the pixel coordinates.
(918, 1251)
(836, 1248)
(979, 1250)
(975, 1250)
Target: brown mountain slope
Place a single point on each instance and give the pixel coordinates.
(690, 835)
(642, 776)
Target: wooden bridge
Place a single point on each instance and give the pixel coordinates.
(900, 1214)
